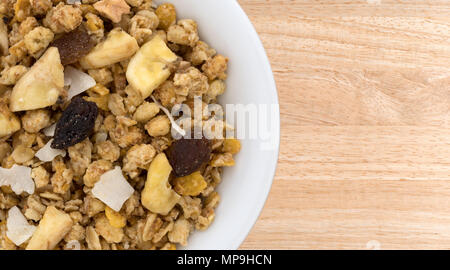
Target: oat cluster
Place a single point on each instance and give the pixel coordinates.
(110, 185)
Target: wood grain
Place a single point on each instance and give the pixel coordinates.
(365, 111)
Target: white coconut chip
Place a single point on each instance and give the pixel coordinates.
(47, 153)
(73, 245)
(101, 137)
(113, 189)
(18, 229)
(74, 2)
(78, 81)
(169, 115)
(18, 178)
(50, 131)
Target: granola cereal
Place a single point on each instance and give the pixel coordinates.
(119, 176)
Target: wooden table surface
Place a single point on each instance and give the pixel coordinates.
(365, 113)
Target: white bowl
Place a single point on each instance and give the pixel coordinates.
(245, 187)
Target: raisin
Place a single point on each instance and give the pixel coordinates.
(73, 46)
(75, 124)
(188, 155)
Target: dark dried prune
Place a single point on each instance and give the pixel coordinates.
(73, 46)
(188, 155)
(75, 124)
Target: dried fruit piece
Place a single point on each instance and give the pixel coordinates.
(188, 155)
(73, 46)
(112, 9)
(3, 39)
(75, 124)
(118, 46)
(54, 225)
(41, 86)
(190, 185)
(158, 196)
(148, 68)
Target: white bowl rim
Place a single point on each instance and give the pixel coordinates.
(268, 70)
(265, 188)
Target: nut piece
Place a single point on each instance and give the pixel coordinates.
(117, 47)
(73, 45)
(148, 69)
(112, 9)
(52, 228)
(41, 85)
(157, 195)
(9, 123)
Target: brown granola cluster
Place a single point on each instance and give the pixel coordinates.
(131, 131)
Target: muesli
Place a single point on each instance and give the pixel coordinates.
(91, 156)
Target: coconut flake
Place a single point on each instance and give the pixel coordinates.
(18, 229)
(169, 115)
(74, 2)
(101, 137)
(47, 153)
(50, 131)
(18, 178)
(78, 81)
(73, 245)
(113, 189)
